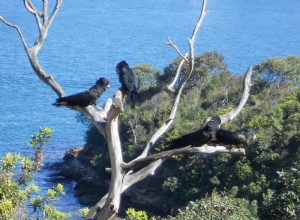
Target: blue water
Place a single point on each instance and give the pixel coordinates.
(88, 38)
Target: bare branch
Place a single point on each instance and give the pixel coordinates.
(244, 97)
(205, 149)
(169, 42)
(117, 106)
(96, 208)
(172, 84)
(44, 29)
(128, 180)
(170, 120)
(46, 78)
(202, 15)
(57, 6)
(17, 28)
(30, 7)
(132, 178)
(45, 11)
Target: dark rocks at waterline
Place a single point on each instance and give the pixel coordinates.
(85, 167)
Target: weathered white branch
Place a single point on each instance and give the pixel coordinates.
(32, 52)
(18, 29)
(205, 149)
(201, 18)
(46, 78)
(45, 11)
(57, 6)
(45, 27)
(172, 84)
(169, 42)
(112, 202)
(128, 180)
(170, 120)
(30, 7)
(132, 178)
(244, 97)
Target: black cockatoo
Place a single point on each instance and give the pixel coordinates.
(128, 80)
(86, 98)
(198, 138)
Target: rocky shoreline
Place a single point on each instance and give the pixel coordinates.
(80, 165)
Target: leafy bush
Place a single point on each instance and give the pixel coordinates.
(272, 111)
(218, 206)
(17, 188)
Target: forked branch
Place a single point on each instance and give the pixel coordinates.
(162, 130)
(18, 30)
(205, 148)
(244, 97)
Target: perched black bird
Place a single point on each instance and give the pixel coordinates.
(198, 138)
(234, 138)
(85, 98)
(128, 79)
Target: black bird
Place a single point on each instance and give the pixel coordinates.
(198, 138)
(128, 79)
(86, 98)
(234, 138)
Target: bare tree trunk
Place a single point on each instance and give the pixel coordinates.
(106, 120)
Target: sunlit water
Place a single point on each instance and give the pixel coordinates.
(88, 38)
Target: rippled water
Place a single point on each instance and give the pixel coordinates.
(88, 38)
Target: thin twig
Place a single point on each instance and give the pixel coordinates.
(48, 23)
(172, 84)
(30, 7)
(17, 28)
(244, 97)
(169, 42)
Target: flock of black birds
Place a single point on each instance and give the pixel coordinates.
(210, 133)
(127, 78)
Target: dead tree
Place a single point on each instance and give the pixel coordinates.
(106, 120)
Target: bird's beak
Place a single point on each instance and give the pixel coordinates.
(107, 87)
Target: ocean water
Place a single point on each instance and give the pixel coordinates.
(88, 38)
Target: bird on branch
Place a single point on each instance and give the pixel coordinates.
(211, 133)
(86, 98)
(199, 137)
(128, 80)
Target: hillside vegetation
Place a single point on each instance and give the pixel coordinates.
(263, 184)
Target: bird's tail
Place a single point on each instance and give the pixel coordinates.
(173, 145)
(134, 97)
(60, 102)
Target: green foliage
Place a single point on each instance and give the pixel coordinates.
(38, 141)
(147, 76)
(218, 206)
(273, 111)
(41, 137)
(132, 214)
(54, 214)
(16, 185)
(283, 202)
(281, 72)
(84, 212)
(171, 184)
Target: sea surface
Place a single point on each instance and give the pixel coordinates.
(88, 38)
